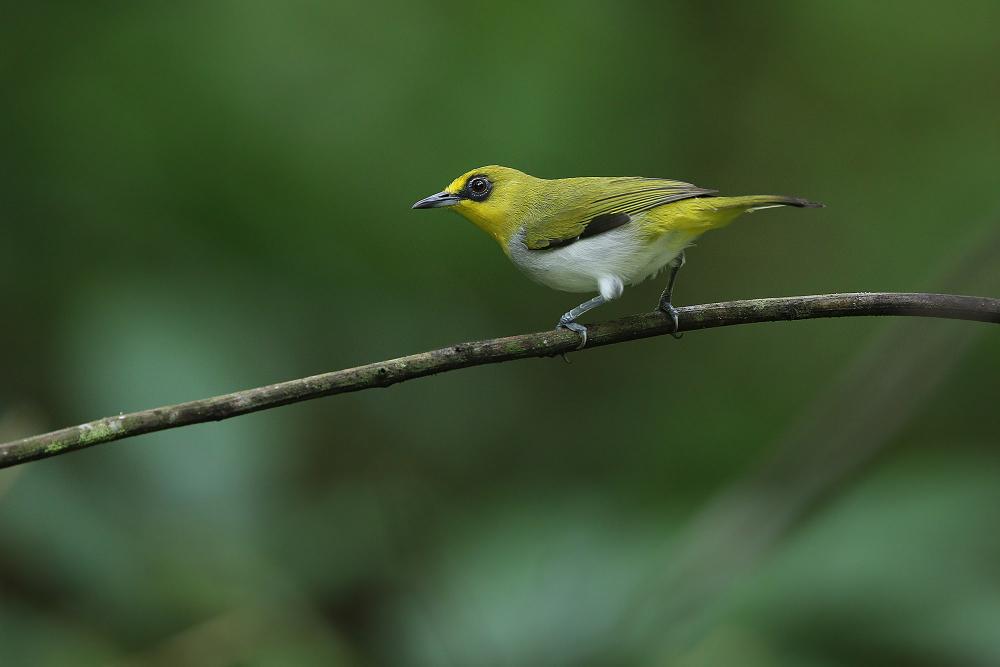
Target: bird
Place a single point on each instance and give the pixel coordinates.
(595, 234)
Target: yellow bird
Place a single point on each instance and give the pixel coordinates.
(594, 234)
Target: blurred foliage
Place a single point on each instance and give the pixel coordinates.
(205, 196)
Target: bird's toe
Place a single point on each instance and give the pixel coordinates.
(670, 311)
(576, 328)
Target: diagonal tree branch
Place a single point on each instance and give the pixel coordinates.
(478, 353)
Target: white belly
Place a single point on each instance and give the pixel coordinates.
(591, 264)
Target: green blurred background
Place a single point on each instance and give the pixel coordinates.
(200, 197)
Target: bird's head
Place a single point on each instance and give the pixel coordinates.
(494, 198)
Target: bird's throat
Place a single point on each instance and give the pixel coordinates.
(500, 230)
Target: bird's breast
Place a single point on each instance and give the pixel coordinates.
(623, 253)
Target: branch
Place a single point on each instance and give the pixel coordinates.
(543, 344)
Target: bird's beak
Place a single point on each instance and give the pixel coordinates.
(438, 200)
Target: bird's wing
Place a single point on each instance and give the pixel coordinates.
(603, 204)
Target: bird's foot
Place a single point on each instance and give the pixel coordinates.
(668, 309)
(577, 328)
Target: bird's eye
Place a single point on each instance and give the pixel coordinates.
(479, 188)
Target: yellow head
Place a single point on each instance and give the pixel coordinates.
(495, 199)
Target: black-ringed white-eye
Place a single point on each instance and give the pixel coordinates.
(594, 234)
(478, 188)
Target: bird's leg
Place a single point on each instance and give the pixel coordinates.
(568, 321)
(665, 305)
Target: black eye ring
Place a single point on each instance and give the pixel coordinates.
(478, 188)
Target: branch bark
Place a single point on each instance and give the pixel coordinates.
(478, 353)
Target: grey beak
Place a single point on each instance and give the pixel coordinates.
(438, 200)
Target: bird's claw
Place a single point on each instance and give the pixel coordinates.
(578, 329)
(668, 309)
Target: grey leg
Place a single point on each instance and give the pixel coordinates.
(568, 321)
(665, 299)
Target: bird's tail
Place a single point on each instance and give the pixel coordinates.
(758, 202)
(700, 214)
